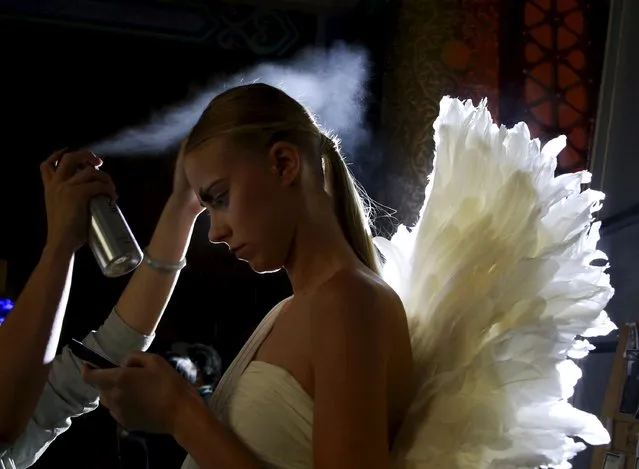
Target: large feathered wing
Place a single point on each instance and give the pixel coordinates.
(502, 282)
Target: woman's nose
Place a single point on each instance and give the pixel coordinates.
(219, 232)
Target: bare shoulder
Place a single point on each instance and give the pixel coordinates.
(359, 305)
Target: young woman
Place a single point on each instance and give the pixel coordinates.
(497, 285)
(331, 379)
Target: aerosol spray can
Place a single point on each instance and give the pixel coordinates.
(111, 240)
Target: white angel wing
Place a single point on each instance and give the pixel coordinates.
(499, 285)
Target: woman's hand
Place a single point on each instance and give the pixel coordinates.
(146, 394)
(183, 193)
(67, 191)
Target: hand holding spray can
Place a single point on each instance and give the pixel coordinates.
(113, 245)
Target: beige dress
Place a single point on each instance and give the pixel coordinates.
(265, 407)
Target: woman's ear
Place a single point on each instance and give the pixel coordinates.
(285, 161)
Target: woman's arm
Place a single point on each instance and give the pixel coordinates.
(351, 334)
(66, 395)
(130, 327)
(143, 301)
(29, 336)
(208, 442)
(29, 339)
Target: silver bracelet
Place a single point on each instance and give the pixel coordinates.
(164, 266)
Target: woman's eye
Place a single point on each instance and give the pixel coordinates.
(221, 200)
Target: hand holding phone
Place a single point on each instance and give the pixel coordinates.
(90, 357)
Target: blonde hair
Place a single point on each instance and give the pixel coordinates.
(260, 114)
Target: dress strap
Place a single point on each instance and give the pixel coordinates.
(227, 384)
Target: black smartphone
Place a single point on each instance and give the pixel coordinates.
(90, 357)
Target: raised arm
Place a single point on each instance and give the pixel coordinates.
(143, 301)
(130, 326)
(29, 337)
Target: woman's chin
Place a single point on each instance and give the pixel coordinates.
(257, 265)
(262, 269)
(268, 270)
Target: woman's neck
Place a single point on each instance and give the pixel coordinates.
(319, 250)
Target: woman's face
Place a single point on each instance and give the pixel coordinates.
(248, 201)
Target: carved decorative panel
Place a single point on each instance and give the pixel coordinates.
(438, 47)
(561, 82)
(255, 30)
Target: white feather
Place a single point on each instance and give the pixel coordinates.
(498, 283)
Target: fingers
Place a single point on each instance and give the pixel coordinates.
(48, 166)
(92, 182)
(86, 174)
(139, 359)
(91, 175)
(69, 163)
(102, 379)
